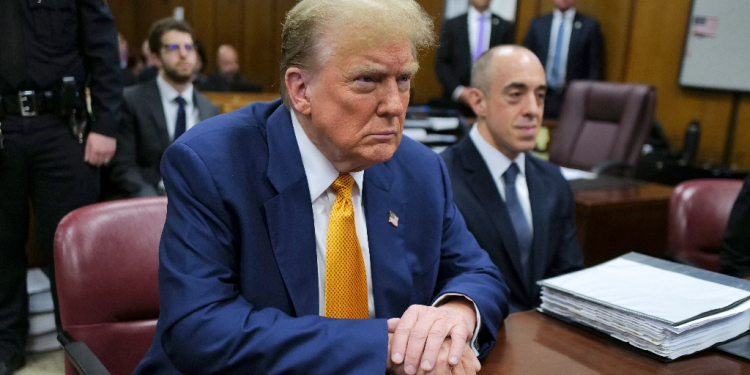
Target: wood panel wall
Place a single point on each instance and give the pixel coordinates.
(643, 44)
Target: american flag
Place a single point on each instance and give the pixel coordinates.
(393, 219)
(705, 25)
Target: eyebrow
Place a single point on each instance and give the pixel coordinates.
(410, 69)
(521, 85)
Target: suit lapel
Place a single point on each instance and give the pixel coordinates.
(463, 39)
(391, 277)
(575, 40)
(201, 105)
(154, 104)
(537, 183)
(290, 217)
(495, 31)
(484, 188)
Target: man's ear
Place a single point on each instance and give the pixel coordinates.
(298, 87)
(477, 101)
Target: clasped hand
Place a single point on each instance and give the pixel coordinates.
(433, 340)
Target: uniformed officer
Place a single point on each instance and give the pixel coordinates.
(50, 150)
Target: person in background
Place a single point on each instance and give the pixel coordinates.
(462, 40)
(569, 45)
(151, 70)
(734, 257)
(519, 207)
(136, 63)
(159, 111)
(307, 236)
(227, 77)
(198, 77)
(50, 150)
(127, 76)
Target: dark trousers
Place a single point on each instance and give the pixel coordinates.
(41, 160)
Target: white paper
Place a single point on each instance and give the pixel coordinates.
(650, 291)
(577, 174)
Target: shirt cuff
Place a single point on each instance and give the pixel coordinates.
(457, 93)
(473, 341)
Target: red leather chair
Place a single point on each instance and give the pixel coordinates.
(698, 215)
(603, 126)
(106, 264)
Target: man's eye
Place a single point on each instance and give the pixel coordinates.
(366, 79)
(404, 78)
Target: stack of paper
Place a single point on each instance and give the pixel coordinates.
(42, 328)
(665, 308)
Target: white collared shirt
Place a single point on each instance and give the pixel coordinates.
(320, 175)
(557, 17)
(498, 163)
(168, 95)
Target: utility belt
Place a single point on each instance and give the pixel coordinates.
(64, 99)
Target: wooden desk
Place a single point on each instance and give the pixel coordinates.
(533, 343)
(614, 221)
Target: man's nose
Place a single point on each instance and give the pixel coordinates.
(391, 103)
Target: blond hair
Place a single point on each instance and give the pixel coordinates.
(364, 23)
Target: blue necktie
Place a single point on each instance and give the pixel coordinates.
(554, 78)
(479, 48)
(181, 123)
(517, 216)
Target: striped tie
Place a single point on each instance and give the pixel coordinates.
(346, 278)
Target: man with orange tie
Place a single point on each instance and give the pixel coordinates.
(305, 236)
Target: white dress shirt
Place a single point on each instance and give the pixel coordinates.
(557, 17)
(498, 163)
(320, 175)
(168, 95)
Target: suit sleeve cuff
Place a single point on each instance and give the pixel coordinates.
(473, 342)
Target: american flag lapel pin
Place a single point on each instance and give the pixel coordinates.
(393, 219)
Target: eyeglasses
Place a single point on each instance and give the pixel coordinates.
(173, 48)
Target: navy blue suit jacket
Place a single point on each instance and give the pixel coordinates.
(453, 60)
(238, 271)
(584, 51)
(555, 248)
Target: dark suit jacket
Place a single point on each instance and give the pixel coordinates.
(585, 54)
(555, 249)
(238, 273)
(453, 60)
(144, 137)
(734, 258)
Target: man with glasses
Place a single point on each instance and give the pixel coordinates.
(158, 111)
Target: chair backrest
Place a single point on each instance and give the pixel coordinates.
(602, 121)
(698, 215)
(106, 265)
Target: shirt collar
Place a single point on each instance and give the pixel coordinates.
(496, 161)
(168, 92)
(319, 171)
(474, 14)
(568, 14)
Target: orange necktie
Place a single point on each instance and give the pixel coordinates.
(346, 279)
